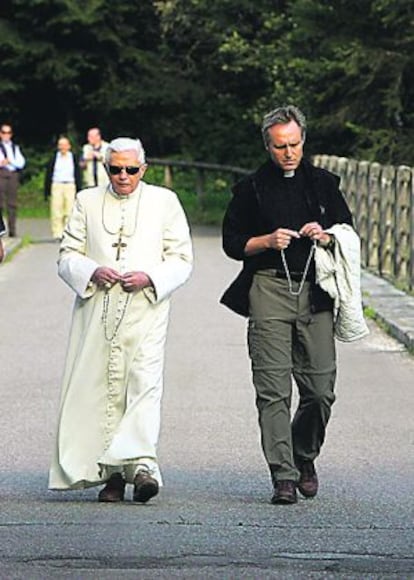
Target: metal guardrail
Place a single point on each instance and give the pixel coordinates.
(381, 198)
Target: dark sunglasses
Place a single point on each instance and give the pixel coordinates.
(116, 170)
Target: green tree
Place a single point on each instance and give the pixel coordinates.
(213, 47)
(194, 77)
(357, 58)
(67, 65)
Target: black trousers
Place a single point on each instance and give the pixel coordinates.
(9, 183)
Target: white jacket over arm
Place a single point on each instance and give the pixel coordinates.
(338, 272)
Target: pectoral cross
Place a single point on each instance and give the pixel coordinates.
(119, 244)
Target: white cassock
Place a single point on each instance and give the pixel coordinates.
(113, 378)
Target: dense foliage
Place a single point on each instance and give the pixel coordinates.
(194, 77)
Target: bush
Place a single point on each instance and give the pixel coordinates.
(31, 198)
(206, 209)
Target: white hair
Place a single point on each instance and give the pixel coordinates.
(125, 144)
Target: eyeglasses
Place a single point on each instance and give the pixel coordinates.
(130, 169)
(6, 132)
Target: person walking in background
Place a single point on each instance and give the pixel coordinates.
(275, 220)
(2, 233)
(93, 159)
(62, 181)
(125, 250)
(11, 163)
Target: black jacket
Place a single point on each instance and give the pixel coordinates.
(257, 208)
(49, 174)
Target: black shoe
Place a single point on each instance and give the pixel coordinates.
(145, 486)
(114, 489)
(308, 481)
(284, 492)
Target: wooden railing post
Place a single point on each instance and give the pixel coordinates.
(402, 222)
(374, 216)
(168, 176)
(361, 206)
(387, 222)
(200, 184)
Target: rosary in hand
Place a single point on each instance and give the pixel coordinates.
(305, 271)
(307, 230)
(109, 336)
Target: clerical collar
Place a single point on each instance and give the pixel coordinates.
(128, 196)
(289, 174)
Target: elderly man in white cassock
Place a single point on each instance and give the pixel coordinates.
(125, 249)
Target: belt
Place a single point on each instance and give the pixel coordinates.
(274, 273)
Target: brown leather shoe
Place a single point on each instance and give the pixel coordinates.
(145, 486)
(285, 492)
(114, 489)
(308, 481)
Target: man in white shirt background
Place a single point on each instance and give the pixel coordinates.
(62, 181)
(93, 158)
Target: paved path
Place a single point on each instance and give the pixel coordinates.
(213, 518)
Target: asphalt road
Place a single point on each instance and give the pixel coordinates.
(213, 518)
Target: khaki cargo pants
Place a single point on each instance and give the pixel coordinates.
(285, 338)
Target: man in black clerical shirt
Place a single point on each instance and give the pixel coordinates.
(275, 219)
